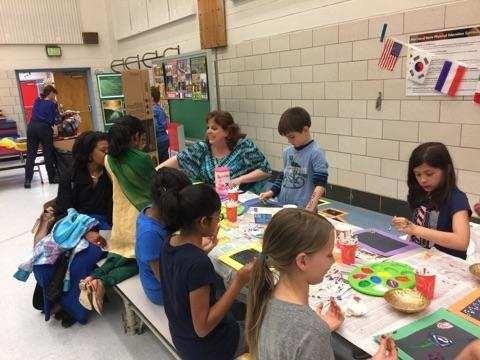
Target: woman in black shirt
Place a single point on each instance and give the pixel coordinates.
(87, 187)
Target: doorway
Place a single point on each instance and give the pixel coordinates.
(73, 91)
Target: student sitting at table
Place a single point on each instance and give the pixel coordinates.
(305, 169)
(280, 324)
(152, 232)
(131, 172)
(198, 307)
(441, 211)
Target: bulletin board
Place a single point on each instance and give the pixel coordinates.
(110, 90)
(190, 89)
(460, 44)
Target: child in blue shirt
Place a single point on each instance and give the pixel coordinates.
(441, 212)
(197, 305)
(151, 231)
(305, 171)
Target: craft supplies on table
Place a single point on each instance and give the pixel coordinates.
(382, 243)
(440, 335)
(468, 307)
(377, 278)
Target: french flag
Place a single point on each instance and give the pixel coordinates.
(476, 97)
(450, 77)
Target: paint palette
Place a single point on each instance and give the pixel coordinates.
(377, 278)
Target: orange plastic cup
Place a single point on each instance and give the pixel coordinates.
(425, 284)
(347, 253)
(231, 211)
(233, 195)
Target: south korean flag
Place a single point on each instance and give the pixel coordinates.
(418, 65)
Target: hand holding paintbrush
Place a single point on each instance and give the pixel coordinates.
(404, 225)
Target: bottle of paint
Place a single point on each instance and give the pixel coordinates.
(222, 179)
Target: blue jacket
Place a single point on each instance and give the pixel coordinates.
(45, 111)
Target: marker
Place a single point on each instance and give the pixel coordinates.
(384, 30)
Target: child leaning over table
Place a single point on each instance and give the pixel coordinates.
(296, 253)
(305, 168)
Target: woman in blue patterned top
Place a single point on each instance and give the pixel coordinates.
(224, 146)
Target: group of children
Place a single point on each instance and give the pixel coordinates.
(164, 227)
(175, 234)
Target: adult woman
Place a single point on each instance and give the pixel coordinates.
(87, 188)
(224, 146)
(39, 131)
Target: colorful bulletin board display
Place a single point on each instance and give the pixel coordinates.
(468, 307)
(382, 243)
(198, 66)
(171, 79)
(159, 82)
(237, 258)
(184, 79)
(110, 86)
(377, 278)
(440, 335)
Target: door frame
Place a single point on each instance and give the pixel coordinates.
(96, 122)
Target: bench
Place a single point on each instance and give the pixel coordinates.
(140, 312)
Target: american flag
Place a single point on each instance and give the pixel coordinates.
(391, 52)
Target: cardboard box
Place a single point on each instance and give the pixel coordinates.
(136, 89)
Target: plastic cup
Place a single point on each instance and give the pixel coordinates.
(347, 253)
(425, 284)
(233, 194)
(232, 211)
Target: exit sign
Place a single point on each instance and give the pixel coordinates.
(53, 50)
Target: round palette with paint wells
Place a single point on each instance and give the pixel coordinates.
(377, 278)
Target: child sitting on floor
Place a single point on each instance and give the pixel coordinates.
(152, 232)
(280, 324)
(441, 211)
(198, 308)
(305, 169)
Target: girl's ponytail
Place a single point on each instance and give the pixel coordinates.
(262, 283)
(289, 233)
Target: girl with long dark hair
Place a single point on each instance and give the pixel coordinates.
(441, 211)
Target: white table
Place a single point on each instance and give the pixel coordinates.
(453, 281)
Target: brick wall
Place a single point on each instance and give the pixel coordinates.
(332, 72)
